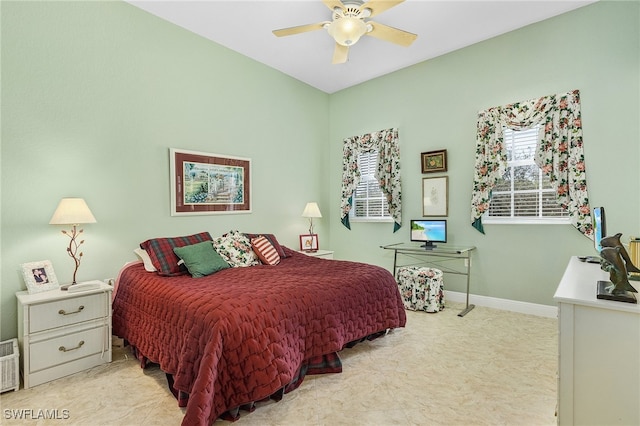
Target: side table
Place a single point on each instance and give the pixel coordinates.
(61, 333)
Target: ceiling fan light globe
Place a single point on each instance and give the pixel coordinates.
(347, 31)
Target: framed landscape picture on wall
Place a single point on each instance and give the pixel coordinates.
(204, 183)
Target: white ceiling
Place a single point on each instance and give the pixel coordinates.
(442, 26)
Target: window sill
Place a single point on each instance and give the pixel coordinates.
(362, 219)
(526, 221)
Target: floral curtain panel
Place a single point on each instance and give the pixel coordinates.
(559, 153)
(387, 172)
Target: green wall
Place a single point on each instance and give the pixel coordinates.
(435, 103)
(93, 96)
(95, 93)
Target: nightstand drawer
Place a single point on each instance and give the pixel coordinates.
(59, 350)
(46, 316)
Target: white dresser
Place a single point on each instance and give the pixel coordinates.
(599, 352)
(62, 333)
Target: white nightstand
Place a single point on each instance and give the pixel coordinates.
(325, 254)
(62, 333)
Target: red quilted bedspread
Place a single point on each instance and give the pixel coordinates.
(241, 334)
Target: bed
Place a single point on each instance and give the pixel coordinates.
(244, 334)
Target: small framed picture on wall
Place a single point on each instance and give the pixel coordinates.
(434, 161)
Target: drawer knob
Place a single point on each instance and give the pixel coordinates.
(63, 312)
(63, 349)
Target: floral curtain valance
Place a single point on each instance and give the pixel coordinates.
(559, 153)
(387, 172)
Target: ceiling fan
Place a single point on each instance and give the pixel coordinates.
(349, 24)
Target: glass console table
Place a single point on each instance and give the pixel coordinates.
(447, 258)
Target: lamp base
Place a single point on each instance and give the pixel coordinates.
(66, 286)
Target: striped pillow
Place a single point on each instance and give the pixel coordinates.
(273, 240)
(265, 250)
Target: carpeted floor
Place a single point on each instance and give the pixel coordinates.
(489, 367)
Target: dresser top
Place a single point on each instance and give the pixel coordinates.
(579, 287)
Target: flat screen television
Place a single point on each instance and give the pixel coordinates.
(599, 227)
(429, 231)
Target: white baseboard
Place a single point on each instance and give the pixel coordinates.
(504, 304)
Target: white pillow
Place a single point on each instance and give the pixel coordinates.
(146, 260)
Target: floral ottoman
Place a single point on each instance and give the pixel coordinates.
(421, 288)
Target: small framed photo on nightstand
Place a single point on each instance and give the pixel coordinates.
(39, 276)
(309, 242)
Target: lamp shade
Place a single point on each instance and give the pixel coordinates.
(311, 210)
(72, 211)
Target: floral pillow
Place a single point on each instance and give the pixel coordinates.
(235, 248)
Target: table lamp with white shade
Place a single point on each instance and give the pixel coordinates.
(73, 211)
(311, 210)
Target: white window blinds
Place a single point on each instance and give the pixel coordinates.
(523, 192)
(369, 203)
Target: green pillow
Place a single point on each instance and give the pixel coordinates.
(201, 259)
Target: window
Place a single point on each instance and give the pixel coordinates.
(369, 203)
(523, 194)
(382, 158)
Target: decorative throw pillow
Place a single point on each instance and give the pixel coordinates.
(146, 260)
(201, 259)
(160, 250)
(235, 248)
(265, 250)
(274, 242)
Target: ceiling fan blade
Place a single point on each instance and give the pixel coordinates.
(378, 6)
(394, 35)
(299, 29)
(340, 54)
(332, 4)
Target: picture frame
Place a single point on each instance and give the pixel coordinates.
(39, 276)
(309, 242)
(434, 161)
(204, 183)
(435, 196)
